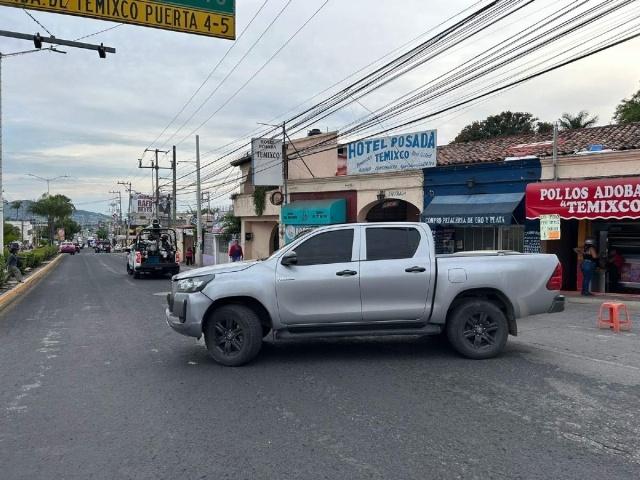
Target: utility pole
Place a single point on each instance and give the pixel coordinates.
(198, 206)
(174, 205)
(555, 151)
(127, 186)
(285, 162)
(120, 210)
(157, 168)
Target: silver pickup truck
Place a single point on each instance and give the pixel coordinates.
(361, 280)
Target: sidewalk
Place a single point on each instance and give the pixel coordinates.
(598, 298)
(12, 289)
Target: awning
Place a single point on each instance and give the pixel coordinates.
(611, 198)
(479, 209)
(315, 212)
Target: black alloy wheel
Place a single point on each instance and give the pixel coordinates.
(233, 335)
(480, 330)
(477, 329)
(228, 336)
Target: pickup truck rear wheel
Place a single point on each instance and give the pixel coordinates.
(477, 329)
(233, 335)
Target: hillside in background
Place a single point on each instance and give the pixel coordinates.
(83, 217)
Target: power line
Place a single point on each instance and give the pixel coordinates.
(38, 22)
(396, 63)
(255, 132)
(317, 11)
(100, 31)
(592, 51)
(211, 73)
(233, 69)
(517, 55)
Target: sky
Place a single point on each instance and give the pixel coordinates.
(92, 118)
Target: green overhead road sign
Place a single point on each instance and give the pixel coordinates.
(213, 18)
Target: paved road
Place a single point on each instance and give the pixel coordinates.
(94, 385)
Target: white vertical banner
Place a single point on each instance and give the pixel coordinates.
(266, 161)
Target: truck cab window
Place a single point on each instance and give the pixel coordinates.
(388, 243)
(329, 247)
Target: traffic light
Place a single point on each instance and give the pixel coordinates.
(37, 41)
(101, 51)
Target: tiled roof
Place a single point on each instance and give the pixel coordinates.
(614, 137)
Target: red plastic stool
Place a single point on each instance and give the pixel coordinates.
(614, 320)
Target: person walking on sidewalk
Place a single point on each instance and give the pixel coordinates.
(589, 263)
(188, 256)
(235, 252)
(12, 264)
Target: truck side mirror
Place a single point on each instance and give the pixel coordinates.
(289, 258)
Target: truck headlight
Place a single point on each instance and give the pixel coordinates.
(193, 284)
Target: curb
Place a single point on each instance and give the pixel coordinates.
(32, 280)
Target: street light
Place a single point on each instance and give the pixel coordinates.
(48, 180)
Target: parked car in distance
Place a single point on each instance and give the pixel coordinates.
(364, 280)
(103, 246)
(67, 247)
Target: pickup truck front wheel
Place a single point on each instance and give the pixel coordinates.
(233, 335)
(477, 329)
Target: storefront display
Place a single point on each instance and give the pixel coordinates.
(606, 210)
(479, 207)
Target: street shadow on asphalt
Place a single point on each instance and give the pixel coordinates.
(359, 349)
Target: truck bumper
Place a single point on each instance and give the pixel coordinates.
(186, 312)
(557, 305)
(163, 268)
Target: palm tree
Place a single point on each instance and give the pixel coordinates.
(16, 204)
(54, 207)
(581, 120)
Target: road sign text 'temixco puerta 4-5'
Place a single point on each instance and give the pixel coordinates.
(214, 18)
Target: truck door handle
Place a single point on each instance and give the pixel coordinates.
(346, 273)
(415, 269)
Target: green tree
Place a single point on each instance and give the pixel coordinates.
(544, 127)
(102, 233)
(16, 205)
(55, 208)
(11, 233)
(70, 227)
(628, 110)
(501, 125)
(580, 120)
(230, 225)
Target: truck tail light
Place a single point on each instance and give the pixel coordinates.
(138, 257)
(555, 282)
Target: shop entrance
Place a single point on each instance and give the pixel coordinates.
(623, 238)
(390, 210)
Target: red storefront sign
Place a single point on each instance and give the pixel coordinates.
(615, 198)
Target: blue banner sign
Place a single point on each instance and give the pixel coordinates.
(411, 151)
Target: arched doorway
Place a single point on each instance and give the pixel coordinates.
(390, 210)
